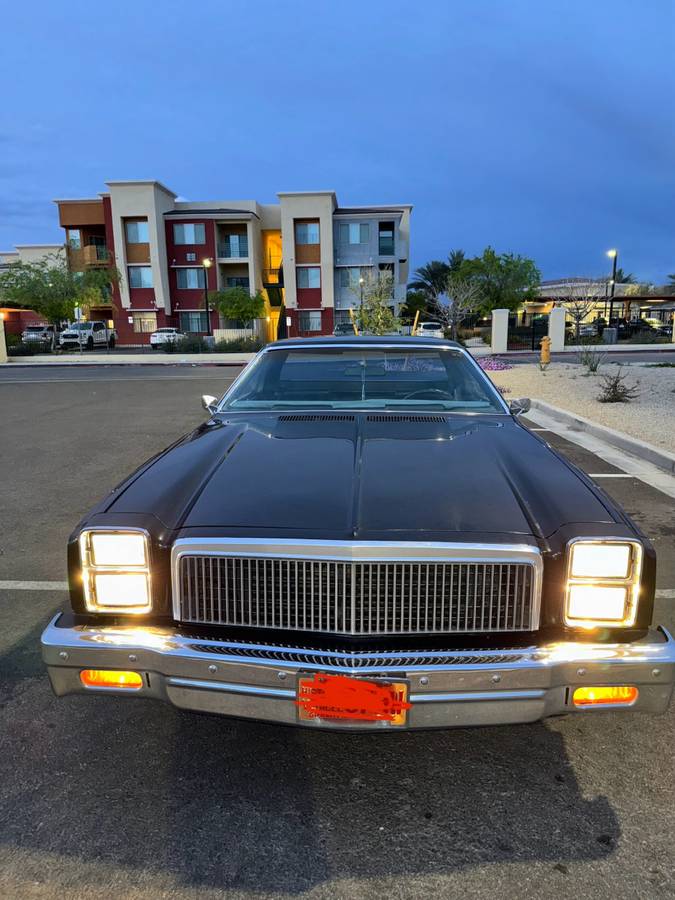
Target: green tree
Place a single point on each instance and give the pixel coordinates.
(49, 287)
(431, 279)
(456, 261)
(237, 303)
(415, 301)
(503, 280)
(374, 314)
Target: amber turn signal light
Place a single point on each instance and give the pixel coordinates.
(109, 678)
(610, 695)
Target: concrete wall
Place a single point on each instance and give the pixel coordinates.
(147, 199)
(319, 205)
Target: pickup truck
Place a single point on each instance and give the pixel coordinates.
(88, 336)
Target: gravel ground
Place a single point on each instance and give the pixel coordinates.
(649, 417)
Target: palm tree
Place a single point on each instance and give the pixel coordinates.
(431, 278)
(455, 261)
(624, 277)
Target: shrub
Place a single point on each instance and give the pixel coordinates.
(239, 345)
(192, 344)
(591, 357)
(615, 390)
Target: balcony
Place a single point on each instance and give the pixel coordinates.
(233, 250)
(91, 255)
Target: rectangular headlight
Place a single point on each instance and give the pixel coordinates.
(603, 583)
(589, 601)
(600, 560)
(117, 549)
(116, 571)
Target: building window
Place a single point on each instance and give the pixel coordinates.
(309, 320)
(193, 322)
(189, 234)
(386, 238)
(145, 322)
(350, 276)
(137, 232)
(354, 233)
(309, 277)
(234, 245)
(190, 279)
(140, 276)
(342, 317)
(306, 232)
(74, 238)
(236, 281)
(191, 257)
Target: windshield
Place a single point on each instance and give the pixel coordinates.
(79, 326)
(36, 328)
(354, 378)
(431, 326)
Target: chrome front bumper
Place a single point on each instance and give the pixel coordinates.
(447, 688)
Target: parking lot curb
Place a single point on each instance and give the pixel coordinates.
(641, 449)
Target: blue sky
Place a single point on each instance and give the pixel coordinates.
(542, 128)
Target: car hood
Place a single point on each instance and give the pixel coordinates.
(363, 476)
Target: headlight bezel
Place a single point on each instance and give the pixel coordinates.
(89, 571)
(630, 582)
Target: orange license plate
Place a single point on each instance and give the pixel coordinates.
(330, 697)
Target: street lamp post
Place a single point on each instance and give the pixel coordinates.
(206, 263)
(613, 255)
(361, 282)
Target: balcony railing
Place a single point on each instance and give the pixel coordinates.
(89, 255)
(236, 251)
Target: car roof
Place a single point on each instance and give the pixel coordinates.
(402, 340)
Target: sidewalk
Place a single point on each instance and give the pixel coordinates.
(239, 359)
(133, 359)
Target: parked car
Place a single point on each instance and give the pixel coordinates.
(662, 329)
(344, 328)
(430, 329)
(166, 336)
(364, 535)
(88, 336)
(39, 334)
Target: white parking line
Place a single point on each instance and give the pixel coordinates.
(609, 475)
(33, 585)
(662, 594)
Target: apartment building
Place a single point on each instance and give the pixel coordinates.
(305, 254)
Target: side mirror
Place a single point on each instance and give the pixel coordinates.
(209, 403)
(520, 406)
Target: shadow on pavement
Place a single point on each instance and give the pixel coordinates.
(223, 803)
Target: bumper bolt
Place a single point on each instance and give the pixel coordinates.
(656, 672)
(581, 672)
(282, 676)
(213, 668)
(496, 679)
(132, 657)
(63, 654)
(424, 680)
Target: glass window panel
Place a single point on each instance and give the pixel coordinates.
(74, 238)
(365, 233)
(137, 232)
(140, 276)
(309, 277)
(307, 233)
(190, 278)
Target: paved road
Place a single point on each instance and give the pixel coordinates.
(130, 799)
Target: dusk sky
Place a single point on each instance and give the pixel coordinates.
(542, 128)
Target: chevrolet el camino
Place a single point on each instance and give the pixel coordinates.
(363, 535)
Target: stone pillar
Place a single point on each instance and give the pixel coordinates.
(500, 330)
(3, 345)
(556, 328)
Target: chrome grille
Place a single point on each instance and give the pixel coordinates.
(358, 598)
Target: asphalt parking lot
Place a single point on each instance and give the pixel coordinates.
(118, 798)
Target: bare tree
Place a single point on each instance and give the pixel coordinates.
(579, 301)
(461, 299)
